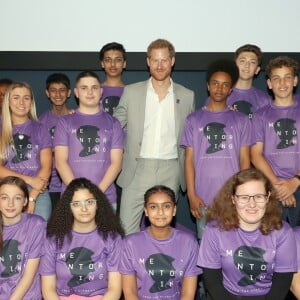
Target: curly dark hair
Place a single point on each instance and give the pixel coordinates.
(21, 184)
(61, 222)
(223, 65)
(224, 213)
(282, 61)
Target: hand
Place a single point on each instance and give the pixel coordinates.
(289, 202)
(195, 204)
(286, 188)
(38, 183)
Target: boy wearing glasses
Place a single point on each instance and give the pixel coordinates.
(216, 139)
(58, 90)
(276, 129)
(113, 61)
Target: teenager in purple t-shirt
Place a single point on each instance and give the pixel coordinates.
(159, 262)
(277, 135)
(25, 148)
(244, 96)
(247, 250)
(58, 91)
(89, 142)
(83, 246)
(22, 237)
(113, 61)
(216, 140)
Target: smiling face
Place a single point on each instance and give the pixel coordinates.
(251, 213)
(160, 209)
(113, 63)
(247, 63)
(84, 214)
(88, 91)
(58, 94)
(20, 102)
(12, 202)
(282, 82)
(160, 64)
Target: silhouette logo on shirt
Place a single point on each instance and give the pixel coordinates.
(110, 103)
(244, 107)
(161, 270)
(250, 262)
(286, 131)
(215, 135)
(52, 131)
(79, 262)
(89, 138)
(22, 146)
(10, 257)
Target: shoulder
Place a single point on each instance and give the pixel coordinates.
(178, 88)
(44, 115)
(284, 233)
(31, 221)
(184, 236)
(136, 85)
(137, 238)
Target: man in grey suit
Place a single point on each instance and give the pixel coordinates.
(153, 112)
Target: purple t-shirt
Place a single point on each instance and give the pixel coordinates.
(110, 97)
(159, 265)
(278, 128)
(22, 241)
(248, 259)
(29, 139)
(248, 101)
(216, 138)
(297, 238)
(50, 120)
(81, 266)
(90, 138)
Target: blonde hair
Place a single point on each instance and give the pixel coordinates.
(6, 140)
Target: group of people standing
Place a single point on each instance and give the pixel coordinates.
(237, 157)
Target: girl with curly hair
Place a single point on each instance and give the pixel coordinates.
(82, 247)
(247, 250)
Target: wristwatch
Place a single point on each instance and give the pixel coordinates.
(31, 199)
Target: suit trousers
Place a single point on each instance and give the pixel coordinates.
(149, 172)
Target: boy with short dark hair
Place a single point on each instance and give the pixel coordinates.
(277, 127)
(216, 139)
(244, 96)
(89, 142)
(113, 61)
(58, 91)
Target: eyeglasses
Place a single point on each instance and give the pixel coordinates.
(83, 203)
(258, 198)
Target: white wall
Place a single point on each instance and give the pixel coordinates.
(192, 25)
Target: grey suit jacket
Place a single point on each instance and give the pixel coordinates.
(131, 114)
